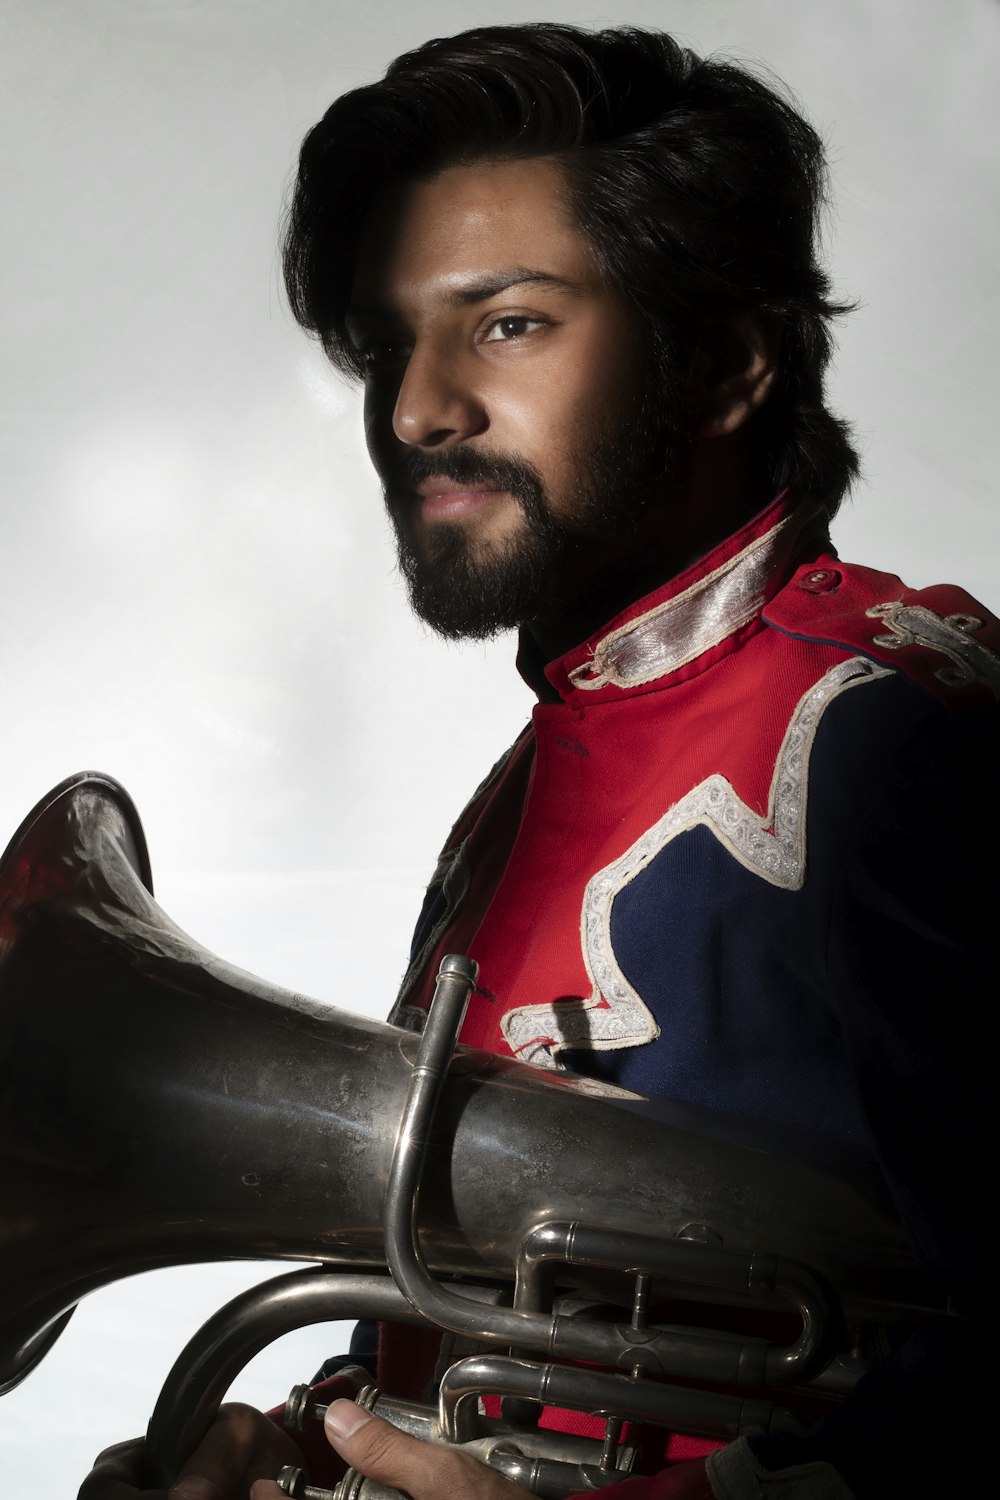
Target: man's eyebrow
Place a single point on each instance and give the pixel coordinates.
(475, 289)
(481, 288)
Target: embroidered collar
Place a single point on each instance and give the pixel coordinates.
(696, 611)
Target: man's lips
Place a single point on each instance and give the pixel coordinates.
(448, 499)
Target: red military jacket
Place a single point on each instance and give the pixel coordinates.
(735, 860)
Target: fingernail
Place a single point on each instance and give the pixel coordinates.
(343, 1418)
(193, 1487)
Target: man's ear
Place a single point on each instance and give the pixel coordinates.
(739, 366)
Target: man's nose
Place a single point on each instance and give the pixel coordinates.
(437, 404)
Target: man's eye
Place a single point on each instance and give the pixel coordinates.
(508, 330)
(375, 352)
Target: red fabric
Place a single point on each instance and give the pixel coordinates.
(525, 931)
(841, 613)
(669, 1446)
(407, 1358)
(659, 1446)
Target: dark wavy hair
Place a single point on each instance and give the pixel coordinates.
(698, 186)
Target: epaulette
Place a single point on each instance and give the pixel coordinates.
(940, 637)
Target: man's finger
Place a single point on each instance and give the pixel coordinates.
(216, 1467)
(241, 1446)
(427, 1471)
(194, 1487)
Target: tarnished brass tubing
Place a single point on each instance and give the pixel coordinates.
(705, 1413)
(680, 1351)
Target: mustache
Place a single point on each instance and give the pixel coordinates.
(463, 466)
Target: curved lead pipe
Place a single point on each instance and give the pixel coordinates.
(206, 1368)
(501, 1326)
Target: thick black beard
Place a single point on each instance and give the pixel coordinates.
(467, 597)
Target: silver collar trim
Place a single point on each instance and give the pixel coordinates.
(683, 628)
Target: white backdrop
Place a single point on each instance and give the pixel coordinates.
(197, 586)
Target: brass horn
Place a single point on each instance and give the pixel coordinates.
(159, 1106)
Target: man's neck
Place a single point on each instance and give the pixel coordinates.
(720, 495)
(671, 541)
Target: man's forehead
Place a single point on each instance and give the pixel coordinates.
(470, 232)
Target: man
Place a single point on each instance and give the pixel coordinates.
(730, 862)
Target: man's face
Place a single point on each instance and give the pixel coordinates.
(507, 397)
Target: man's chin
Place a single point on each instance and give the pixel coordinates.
(463, 596)
(458, 617)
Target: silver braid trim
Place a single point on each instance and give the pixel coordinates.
(915, 625)
(685, 627)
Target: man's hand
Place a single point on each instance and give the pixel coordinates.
(427, 1471)
(242, 1445)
